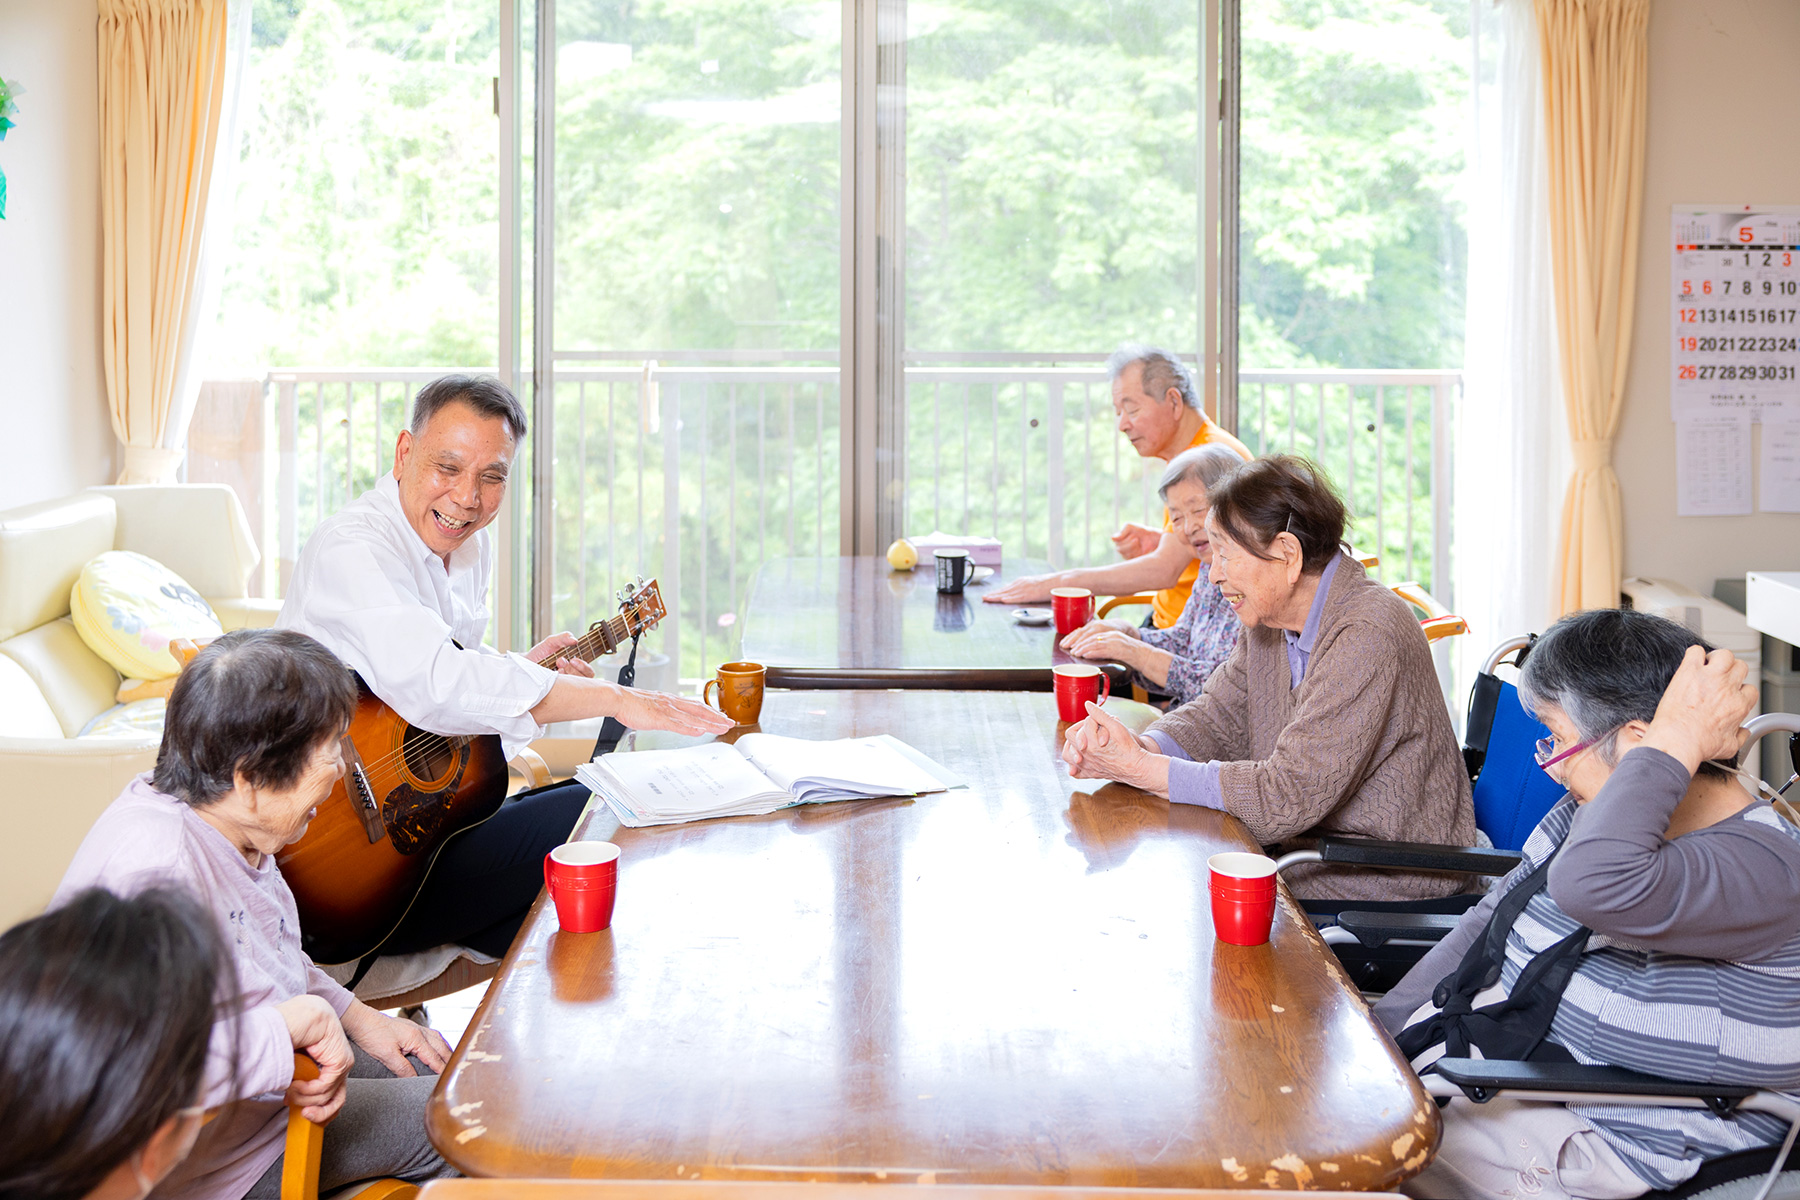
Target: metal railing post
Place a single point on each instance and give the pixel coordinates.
(1442, 585)
(1054, 549)
(288, 479)
(670, 578)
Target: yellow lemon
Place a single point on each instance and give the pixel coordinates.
(902, 556)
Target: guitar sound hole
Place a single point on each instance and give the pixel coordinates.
(429, 756)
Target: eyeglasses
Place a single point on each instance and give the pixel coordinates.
(1545, 749)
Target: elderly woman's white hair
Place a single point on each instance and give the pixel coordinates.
(1205, 465)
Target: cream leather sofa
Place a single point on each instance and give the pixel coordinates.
(53, 783)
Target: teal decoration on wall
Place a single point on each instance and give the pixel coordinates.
(8, 107)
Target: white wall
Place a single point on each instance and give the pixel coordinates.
(1724, 95)
(53, 415)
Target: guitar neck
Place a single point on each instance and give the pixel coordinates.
(604, 636)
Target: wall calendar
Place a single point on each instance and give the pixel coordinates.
(1735, 312)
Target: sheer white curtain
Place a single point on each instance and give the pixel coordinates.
(215, 242)
(1512, 441)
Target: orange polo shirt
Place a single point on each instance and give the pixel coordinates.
(1170, 601)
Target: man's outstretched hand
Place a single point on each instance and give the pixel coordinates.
(659, 710)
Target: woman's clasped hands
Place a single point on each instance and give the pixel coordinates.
(1100, 747)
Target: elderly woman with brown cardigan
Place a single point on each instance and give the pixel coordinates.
(1326, 719)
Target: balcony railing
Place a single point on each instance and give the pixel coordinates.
(697, 471)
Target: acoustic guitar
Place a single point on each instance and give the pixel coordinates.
(405, 792)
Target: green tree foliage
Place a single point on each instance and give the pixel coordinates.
(1051, 163)
(1050, 205)
(365, 228)
(1353, 128)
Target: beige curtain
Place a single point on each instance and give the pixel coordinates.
(1595, 73)
(162, 90)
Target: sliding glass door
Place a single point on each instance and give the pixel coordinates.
(815, 274)
(1053, 208)
(1355, 130)
(696, 295)
(974, 202)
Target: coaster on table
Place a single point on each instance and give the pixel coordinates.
(1031, 616)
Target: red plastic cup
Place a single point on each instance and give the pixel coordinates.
(1243, 897)
(1073, 608)
(1076, 684)
(583, 878)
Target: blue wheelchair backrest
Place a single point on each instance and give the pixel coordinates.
(1512, 793)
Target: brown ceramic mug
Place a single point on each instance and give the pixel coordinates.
(740, 694)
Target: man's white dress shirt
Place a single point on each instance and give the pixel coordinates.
(371, 590)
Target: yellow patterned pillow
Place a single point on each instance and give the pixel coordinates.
(127, 608)
(141, 718)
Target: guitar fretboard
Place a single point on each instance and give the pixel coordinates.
(601, 637)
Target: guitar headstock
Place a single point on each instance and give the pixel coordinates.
(641, 606)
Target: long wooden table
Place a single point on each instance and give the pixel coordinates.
(1014, 983)
(855, 622)
(612, 1189)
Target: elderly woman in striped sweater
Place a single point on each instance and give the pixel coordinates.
(1654, 924)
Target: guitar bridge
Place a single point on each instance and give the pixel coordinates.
(362, 795)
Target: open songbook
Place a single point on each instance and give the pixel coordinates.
(759, 773)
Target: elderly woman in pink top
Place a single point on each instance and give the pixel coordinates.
(250, 748)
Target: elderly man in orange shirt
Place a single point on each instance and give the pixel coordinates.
(1160, 415)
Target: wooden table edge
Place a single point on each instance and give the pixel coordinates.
(460, 1145)
(713, 1189)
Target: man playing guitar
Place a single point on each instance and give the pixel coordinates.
(396, 583)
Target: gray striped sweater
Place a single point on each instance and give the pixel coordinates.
(1693, 970)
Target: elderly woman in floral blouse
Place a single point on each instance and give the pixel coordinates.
(1178, 659)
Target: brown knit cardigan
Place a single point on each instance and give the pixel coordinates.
(1363, 747)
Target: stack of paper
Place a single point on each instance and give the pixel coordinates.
(760, 773)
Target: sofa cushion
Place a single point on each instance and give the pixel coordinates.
(138, 719)
(24, 713)
(128, 608)
(42, 548)
(76, 682)
(246, 612)
(197, 530)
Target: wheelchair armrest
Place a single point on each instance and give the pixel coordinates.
(1378, 928)
(1482, 1078)
(1417, 856)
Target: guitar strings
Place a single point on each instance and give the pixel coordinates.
(394, 758)
(593, 639)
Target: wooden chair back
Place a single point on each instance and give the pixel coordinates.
(305, 1144)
